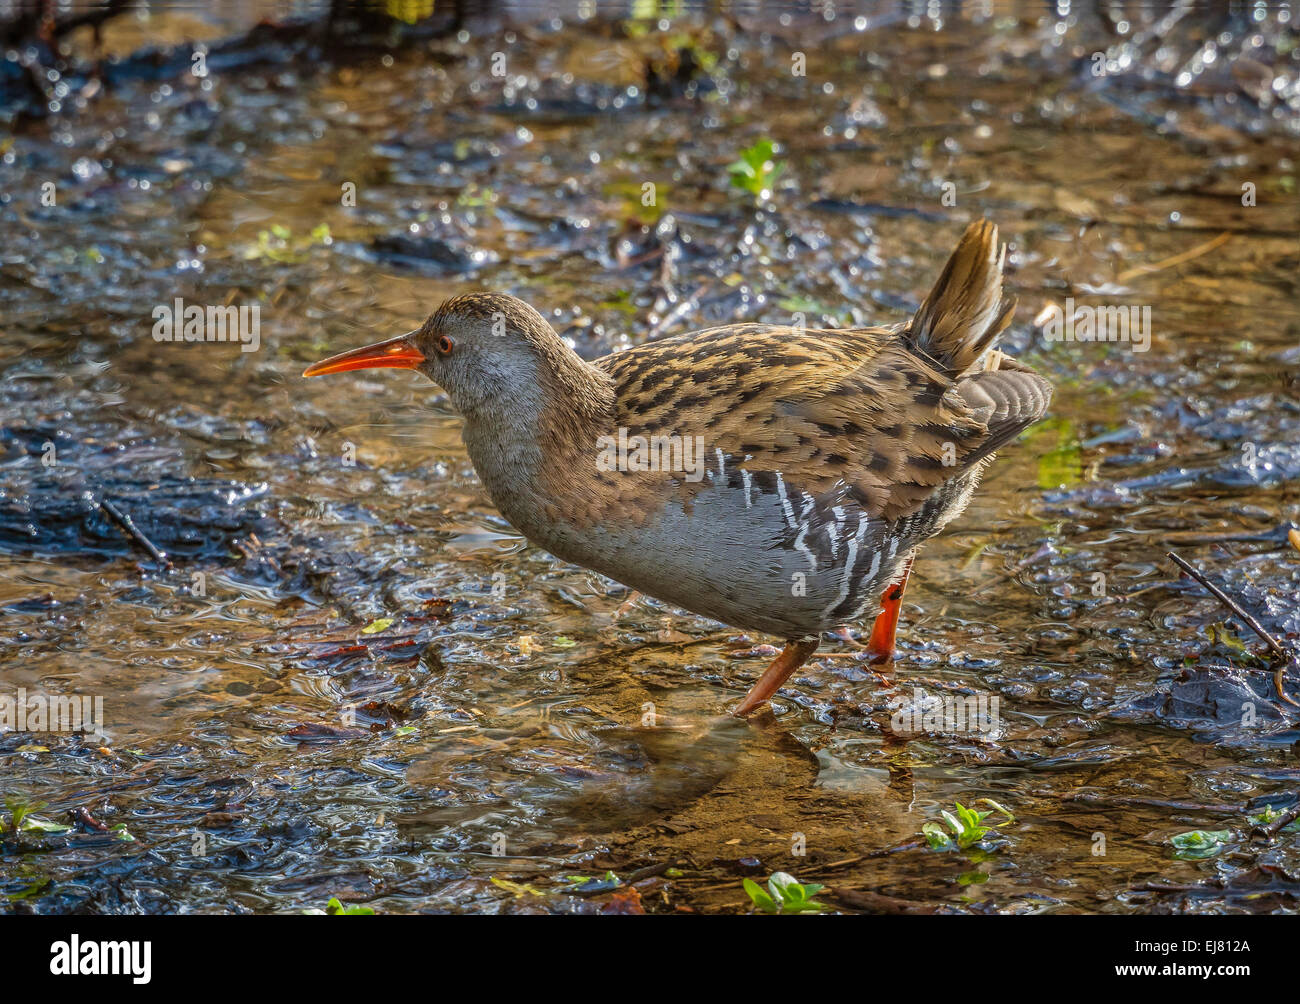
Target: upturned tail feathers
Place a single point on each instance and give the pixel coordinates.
(966, 310)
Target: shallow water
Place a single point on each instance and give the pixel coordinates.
(266, 754)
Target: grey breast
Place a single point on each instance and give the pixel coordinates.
(754, 552)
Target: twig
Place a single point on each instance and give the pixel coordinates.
(865, 899)
(1131, 802)
(1177, 259)
(650, 871)
(128, 527)
(883, 852)
(1229, 602)
(1285, 659)
(1267, 831)
(681, 308)
(1162, 887)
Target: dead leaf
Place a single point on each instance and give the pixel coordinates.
(626, 902)
(516, 889)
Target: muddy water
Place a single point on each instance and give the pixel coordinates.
(358, 681)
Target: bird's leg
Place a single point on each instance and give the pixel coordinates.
(794, 655)
(881, 645)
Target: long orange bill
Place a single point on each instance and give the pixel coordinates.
(396, 353)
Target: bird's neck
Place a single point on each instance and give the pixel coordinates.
(536, 446)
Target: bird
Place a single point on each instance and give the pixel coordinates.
(778, 479)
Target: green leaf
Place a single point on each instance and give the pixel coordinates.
(40, 825)
(382, 624)
(335, 908)
(19, 808)
(936, 835)
(760, 898)
(755, 171)
(1000, 808)
(562, 642)
(788, 895)
(780, 882)
(1224, 636)
(1197, 844)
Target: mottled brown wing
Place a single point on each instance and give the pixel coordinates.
(834, 412)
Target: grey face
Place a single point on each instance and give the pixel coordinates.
(475, 348)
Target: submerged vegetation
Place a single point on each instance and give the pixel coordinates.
(965, 826)
(784, 894)
(757, 170)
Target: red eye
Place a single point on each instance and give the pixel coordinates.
(445, 345)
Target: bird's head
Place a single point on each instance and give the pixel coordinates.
(486, 350)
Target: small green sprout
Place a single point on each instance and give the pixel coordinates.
(474, 197)
(784, 894)
(23, 818)
(582, 885)
(280, 245)
(1268, 815)
(966, 826)
(334, 908)
(1219, 633)
(756, 172)
(609, 876)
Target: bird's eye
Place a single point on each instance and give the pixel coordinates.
(445, 345)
